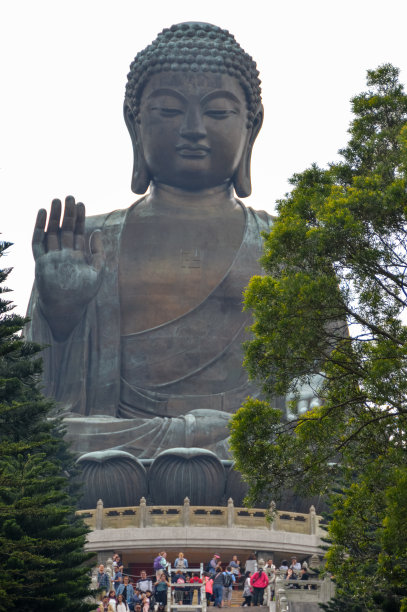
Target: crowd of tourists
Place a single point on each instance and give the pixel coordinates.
(148, 593)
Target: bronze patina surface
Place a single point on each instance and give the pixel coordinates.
(142, 308)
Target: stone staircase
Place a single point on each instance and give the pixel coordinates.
(236, 603)
(237, 599)
(241, 609)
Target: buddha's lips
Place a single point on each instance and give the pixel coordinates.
(192, 150)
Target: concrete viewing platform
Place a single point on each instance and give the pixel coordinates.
(203, 528)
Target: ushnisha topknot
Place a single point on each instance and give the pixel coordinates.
(195, 47)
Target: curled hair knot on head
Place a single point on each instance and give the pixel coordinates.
(200, 47)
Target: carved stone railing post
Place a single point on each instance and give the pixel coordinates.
(169, 598)
(313, 520)
(94, 579)
(109, 570)
(272, 510)
(203, 593)
(186, 511)
(280, 593)
(143, 513)
(99, 514)
(327, 590)
(231, 513)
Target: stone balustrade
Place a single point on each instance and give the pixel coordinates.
(229, 516)
(310, 592)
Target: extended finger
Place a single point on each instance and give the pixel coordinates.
(79, 236)
(302, 406)
(53, 226)
(97, 250)
(68, 223)
(38, 245)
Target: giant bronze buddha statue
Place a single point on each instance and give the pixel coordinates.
(141, 308)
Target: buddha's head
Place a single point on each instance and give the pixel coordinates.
(193, 109)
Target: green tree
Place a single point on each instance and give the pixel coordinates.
(41, 540)
(331, 302)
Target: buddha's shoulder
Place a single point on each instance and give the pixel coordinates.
(263, 219)
(113, 220)
(116, 218)
(106, 221)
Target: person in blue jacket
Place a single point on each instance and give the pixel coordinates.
(126, 589)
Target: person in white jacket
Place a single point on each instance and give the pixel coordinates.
(270, 570)
(121, 605)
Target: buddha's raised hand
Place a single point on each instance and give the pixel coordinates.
(67, 275)
(307, 396)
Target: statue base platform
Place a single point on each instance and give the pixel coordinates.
(122, 479)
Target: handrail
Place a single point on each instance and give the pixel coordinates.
(316, 590)
(174, 605)
(186, 515)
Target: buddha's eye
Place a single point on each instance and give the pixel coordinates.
(167, 111)
(220, 113)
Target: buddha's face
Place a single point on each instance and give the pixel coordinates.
(193, 128)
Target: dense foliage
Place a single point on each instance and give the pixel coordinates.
(41, 540)
(332, 302)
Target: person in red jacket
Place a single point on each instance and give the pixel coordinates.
(259, 580)
(196, 581)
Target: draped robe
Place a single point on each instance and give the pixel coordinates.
(161, 387)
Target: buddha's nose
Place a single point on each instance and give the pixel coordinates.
(193, 127)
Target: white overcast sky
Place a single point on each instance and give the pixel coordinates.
(63, 70)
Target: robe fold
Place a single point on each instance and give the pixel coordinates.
(137, 391)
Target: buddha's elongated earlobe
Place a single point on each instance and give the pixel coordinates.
(242, 177)
(141, 178)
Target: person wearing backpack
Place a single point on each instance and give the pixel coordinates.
(228, 582)
(179, 579)
(158, 565)
(218, 584)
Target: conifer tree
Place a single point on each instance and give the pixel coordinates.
(41, 540)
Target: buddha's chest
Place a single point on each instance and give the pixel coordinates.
(167, 267)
